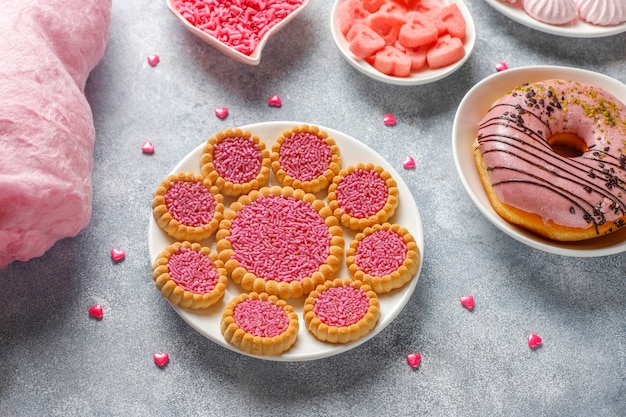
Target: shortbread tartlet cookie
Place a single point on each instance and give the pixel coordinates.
(189, 275)
(280, 240)
(260, 324)
(235, 160)
(341, 311)
(363, 195)
(186, 206)
(385, 257)
(305, 157)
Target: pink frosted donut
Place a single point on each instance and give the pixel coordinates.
(552, 158)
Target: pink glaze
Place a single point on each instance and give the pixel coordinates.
(580, 191)
(279, 238)
(192, 271)
(239, 24)
(362, 193)
(341, 306)
(237, 159)
(190, 203)
(380, 253)
(602, 12)
(261, 318)
(304, 156)
(552, 12)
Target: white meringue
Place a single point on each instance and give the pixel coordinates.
(552, 12)
(602, 12)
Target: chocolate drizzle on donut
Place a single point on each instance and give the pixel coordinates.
(518, 132)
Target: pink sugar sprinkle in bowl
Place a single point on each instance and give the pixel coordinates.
(204, 18)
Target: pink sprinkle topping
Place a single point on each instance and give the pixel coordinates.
(362, 193)
(389, 120)
(341, 306)
(192, 271)
(501, 66)
(467, 301)
(305, 156)
(279, 238)
(237, 159)
(261, 318)
(190, 203)
(221, 112)
(274, 101)
(239, 24)
(153, 60)
(381, 253)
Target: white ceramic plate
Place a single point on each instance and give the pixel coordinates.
(252, 59)
(416, 78)
(307, 347)
(472, 109)
(576, 29)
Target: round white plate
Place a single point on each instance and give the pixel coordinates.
(255, 57)
(472, 109)
(416, 78)
(576, 29)
(307, 347)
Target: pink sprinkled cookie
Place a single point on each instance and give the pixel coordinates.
(305, 157)
(237, 161)
(186, 206)
(341, 311)
(280, 240)
(190, 275)
(363, 195)
(384, 257)
(260, 324)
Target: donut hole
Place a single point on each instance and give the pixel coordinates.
(568, 145)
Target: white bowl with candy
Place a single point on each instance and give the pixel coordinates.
(406, 42)
(239, 29)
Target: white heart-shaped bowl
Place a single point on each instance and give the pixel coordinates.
(252, 59)
(423, 76)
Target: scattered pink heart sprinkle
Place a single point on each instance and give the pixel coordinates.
(409, 162)
(153, 60)
(147, 147)
(161, 359)
(467, 301)
(221, 112)
(117, 255)
(414, 359)
(96, 311)
(275, 101)
(534, 341)
(389, 120)
(501, 66)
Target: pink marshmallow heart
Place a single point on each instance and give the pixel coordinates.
(161, 359)
(153, 60)
(221, 112)
(409, 162)
(534, 341)
(414, 359)
(147, 147)
(117, 255)
(468, 302)
(275, 101)
(96, 311)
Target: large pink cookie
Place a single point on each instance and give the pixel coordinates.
(46, 125)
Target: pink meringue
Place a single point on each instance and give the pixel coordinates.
(552, 12)
(602, 12)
